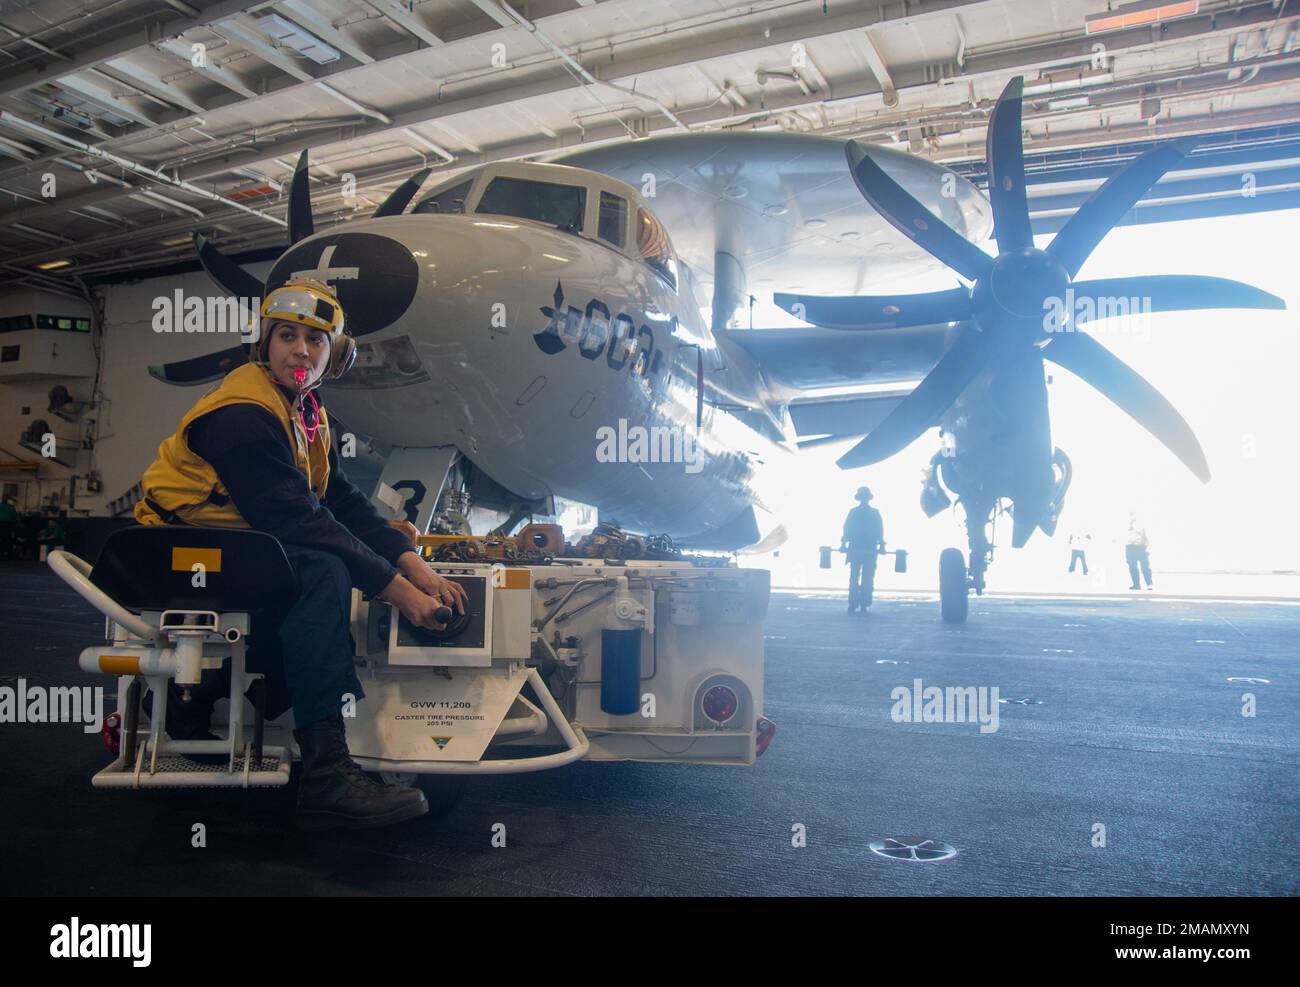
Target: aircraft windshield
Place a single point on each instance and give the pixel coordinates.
(450, 200)
(557, 205)
(652, 242)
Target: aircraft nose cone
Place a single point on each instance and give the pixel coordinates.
(376, 277)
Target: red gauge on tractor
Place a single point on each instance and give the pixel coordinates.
(720, 704)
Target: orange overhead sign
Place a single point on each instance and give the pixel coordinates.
(1137, 14)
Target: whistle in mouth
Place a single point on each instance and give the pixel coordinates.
(299, 374)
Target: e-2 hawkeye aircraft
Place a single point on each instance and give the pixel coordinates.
(528, 331)
(521, 312)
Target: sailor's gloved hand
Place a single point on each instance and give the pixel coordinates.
(415, 605)
(446, 592)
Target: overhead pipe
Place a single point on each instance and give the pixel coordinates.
(133, 166)
(577, 66)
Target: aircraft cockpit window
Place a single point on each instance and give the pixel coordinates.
(451, 200)
(613, 218)
(561, 206)
(652, 242)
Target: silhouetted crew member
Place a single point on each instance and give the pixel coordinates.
(1079, 549)
(862, 541)
(1135, 552)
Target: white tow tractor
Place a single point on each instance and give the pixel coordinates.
(554, 661)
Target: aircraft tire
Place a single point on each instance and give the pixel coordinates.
(953, 594)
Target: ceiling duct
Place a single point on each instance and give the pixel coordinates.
(286, 34)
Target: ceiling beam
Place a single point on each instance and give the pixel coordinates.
(407, 20)
(493, 10)
(876, 62)
(287, 86)
(96, 93)
(249, 37)
(128, 39)
(209, 69)
(45, 49)
(311, 20)
(131, 74)
(752, 37)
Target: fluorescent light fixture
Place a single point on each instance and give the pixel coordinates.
(286, 34)
(1055, 82)
(72, 117)
(429, 145)
(1070, 103)
(53, 265)
(1141, 13)
(177, 241)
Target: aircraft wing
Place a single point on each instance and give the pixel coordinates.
(763, 212)
(839, 383)
(816, 421)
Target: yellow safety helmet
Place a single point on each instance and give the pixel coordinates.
(307, 302)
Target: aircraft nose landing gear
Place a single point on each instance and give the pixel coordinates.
(956, 577)
(954, 587)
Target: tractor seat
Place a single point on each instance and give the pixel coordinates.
(152, 567)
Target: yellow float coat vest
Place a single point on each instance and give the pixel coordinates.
(187, 488)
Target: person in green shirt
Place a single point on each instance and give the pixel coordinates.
(53, 534)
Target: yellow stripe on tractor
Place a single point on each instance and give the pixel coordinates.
(184, 559)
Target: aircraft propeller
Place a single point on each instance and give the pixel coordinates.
(1001, 316)
(238, 282)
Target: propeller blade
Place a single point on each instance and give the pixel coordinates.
(922, 408)
(912, 219)
(1084, 356)
(300, 224)
(878, 311)
(200, 369)
(1005, 153)
(225, 271)
(1079, 237)
(1165, 293)
(402, 195)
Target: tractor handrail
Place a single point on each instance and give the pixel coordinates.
(76, 572)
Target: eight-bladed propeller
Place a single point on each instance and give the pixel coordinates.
(1002, 314)
(241, 284)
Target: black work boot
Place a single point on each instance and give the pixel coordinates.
(334, 793)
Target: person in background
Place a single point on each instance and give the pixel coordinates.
(8, 523)
(1136, 548)
(1079, 540)
(53, 535)
(863, 539)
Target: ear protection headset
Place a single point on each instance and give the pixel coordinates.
(307, 302)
